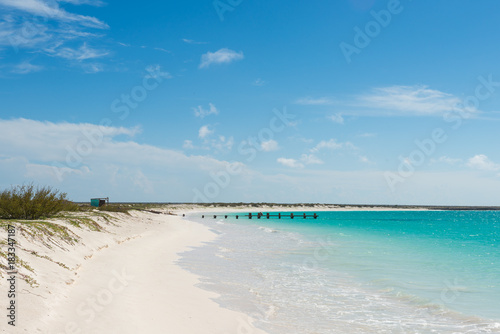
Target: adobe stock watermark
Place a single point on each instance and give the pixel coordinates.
(93, 137)
(223, 6)
(96, 302)
(427, 147)
(372, 29)
(248, 148)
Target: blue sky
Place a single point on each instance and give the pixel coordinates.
(356, 101)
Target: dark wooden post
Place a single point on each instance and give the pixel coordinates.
(291, 215)
(304, 215)
(279, 215)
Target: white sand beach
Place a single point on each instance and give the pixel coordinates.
(124, 280)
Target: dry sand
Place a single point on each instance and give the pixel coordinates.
(124, 280)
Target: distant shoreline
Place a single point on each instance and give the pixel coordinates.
(310, 206)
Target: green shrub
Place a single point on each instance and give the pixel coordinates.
(28, 202)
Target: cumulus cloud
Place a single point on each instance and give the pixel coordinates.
(336, 118)
(332, 144)
(93, 158)
(292, 163)
(221, 143)
(204, 132)
(482, 162)
(221, 56)
(202, 113)
(188, 145)
(364, 159)
(269, 145)
(156, 72)
(310, 159)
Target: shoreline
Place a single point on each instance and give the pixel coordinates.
(317, 207)
(124, 280)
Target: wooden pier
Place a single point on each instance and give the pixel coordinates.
(268, 215)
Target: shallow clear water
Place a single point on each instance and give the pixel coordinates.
(358, 271)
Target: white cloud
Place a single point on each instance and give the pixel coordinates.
(259, 82)
(188, 145)
(221, 143)
(156, 72)
(163, 50)
(190, 41)
(220, 57)
(202, 113)
(92, 67)
(26, 67)
(447, 160)
(210, 141)
(332, 144)
(126, 170)
(309, 101)
(43, 26)
(51, 10)
(364, 159)
(204, 132)
(482, 162)
(310, 159)
(96, 3)
(82, 53)
(269, 145)
(419, 100)
(337, 118)
(292, 163)
(90, 158)
(13, 33)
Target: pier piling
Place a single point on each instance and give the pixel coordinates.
(269, 215)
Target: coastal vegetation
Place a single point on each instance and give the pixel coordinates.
(30, 203)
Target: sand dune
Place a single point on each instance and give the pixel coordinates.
(124, 280)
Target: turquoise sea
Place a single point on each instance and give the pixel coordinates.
(357, 271)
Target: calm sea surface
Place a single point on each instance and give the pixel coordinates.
(357, 271)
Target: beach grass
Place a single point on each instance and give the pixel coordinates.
(30, 203)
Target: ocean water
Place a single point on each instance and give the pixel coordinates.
(357, 271)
